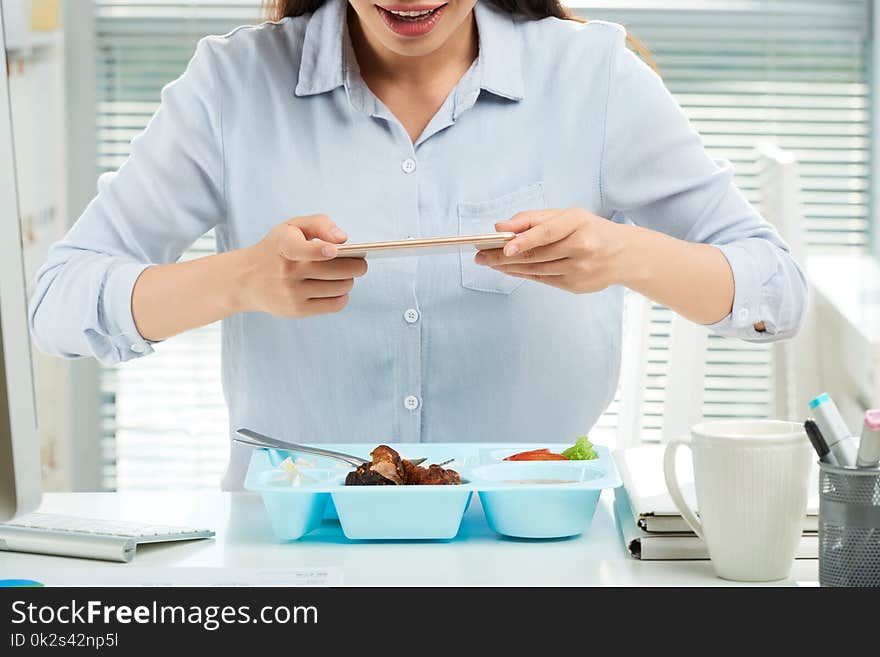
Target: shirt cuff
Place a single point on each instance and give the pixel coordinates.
(748, 298)
(116, 310)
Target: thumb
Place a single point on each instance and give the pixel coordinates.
(320, 226)
(293, 245)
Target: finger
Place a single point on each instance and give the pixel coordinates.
(326, 289)
(293, 245)
(522, 221)
(335, 270)
(553, 230)
(320, 226)
(327, 306)
(553, 268)
(493, 257)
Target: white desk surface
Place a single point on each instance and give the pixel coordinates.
(245, 551)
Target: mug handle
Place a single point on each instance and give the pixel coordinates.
(671, 476)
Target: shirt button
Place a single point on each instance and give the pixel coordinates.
(743, 314)
(408, 165)
(411, 316)
(411, 403)
(138, 347)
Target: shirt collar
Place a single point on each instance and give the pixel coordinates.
(327, 47)
(500, 58)
(322, 65)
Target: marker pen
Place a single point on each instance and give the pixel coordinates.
(819, 443)
(834, 429)
(869, 447)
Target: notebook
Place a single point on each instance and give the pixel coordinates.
(641, 469)
(674, 546)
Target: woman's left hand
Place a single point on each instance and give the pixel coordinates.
(572, 249)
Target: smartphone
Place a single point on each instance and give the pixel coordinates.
(427, 246)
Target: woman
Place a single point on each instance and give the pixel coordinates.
(367, 121)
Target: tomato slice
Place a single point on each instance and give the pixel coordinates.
(547, 457)
(520, 455)
(536, 455)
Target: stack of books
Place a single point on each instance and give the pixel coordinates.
(650, 525)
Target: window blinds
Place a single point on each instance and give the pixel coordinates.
(791, 71)
(164, 420)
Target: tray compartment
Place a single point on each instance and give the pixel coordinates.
(549, 514)
(466, 456)
(401, 512)
(543, 508)
(293, 511)
(294, 516)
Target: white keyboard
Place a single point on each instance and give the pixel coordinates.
(48, 533)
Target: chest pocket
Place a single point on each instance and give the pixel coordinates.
(479, 217)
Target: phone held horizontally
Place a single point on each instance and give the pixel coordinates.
(426, 246)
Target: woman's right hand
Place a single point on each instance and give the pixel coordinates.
(294, 272)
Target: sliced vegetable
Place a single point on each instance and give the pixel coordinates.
(531, 451)
(582, 450)
(537, 455)
(549, 456)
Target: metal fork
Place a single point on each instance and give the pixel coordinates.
(255, 439)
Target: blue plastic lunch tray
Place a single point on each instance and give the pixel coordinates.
(542, 508)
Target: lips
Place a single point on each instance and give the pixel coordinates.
(411, 20)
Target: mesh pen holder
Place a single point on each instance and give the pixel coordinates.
(849, 526)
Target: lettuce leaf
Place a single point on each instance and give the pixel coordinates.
(582, 450)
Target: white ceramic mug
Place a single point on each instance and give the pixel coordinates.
(751, 480)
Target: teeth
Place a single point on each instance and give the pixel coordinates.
(411, 14)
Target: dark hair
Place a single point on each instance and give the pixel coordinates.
(532, 9)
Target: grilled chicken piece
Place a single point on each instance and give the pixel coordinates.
(415, 475)
(386, 469)
(438, 475)
(363, 476)
(387, 463)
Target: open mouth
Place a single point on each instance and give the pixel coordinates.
(411, 21)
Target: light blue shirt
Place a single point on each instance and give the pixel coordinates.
(274, 121)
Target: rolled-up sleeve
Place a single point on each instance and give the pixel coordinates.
(655, 170)
(167, 194)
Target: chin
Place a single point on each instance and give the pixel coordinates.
(424, 46)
